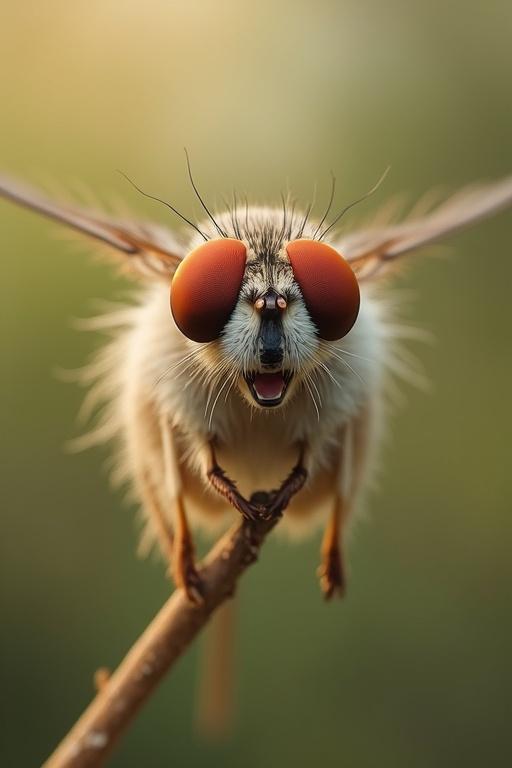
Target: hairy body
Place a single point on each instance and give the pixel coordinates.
(255, 446)
(169, 399)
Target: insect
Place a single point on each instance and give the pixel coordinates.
(248, 377)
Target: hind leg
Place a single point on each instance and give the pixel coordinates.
(332, 569)
(175, 539)
(155, 512)
(183, 565)
(352, 462)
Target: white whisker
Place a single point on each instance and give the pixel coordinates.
(229, 378)
(312, 396)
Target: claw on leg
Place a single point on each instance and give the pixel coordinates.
(262, 505)
(331, 571)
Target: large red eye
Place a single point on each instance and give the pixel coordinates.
(329, 287)
(205, 288)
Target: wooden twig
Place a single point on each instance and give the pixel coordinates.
(92, 738)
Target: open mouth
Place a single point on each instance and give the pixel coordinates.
(268, 389)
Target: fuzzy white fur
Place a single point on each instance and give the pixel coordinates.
(150, 369)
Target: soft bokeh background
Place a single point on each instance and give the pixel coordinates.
(413, 669)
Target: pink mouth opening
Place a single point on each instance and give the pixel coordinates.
(269, 386)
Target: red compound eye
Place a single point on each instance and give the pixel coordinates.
(205, 288)
(329, 287)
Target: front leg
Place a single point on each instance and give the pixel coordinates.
(262, 506)
(280, 499)
(227, 488)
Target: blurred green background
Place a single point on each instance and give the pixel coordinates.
(414, 668)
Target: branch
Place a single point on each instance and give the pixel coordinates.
(167, 637)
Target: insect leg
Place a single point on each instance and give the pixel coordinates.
(289, 487)
(352, 461)
(183, 564)
(181, 545)
(153, 507)
(331, 570)
(227, 488)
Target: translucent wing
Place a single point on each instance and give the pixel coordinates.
(371, 252)
(146, 248)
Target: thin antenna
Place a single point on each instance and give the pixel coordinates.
(329, 205)
(283, 228)
(232, 209)
(219, 230)
(359, 200)
(164, 202)
(235, 208)
(246, 199)
(308, 211)
(292, 215)
(304, 221)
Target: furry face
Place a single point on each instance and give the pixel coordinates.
(270, 345)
